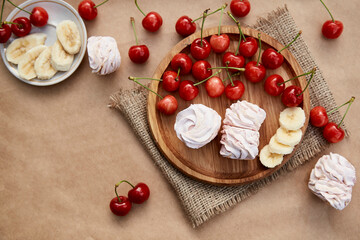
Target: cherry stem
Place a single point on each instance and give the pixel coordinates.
(233, 75)
(337, 108)
(328, 11)
(177, 76)
(133, 26)
(259, 36)
(136, 81)
(18, 24)
(350, 102)
(2, 10)
(304, 74)
(198, 83)
(298, 35)
(311, 77)
(228, 74)
(221, 14)
(117, 185)
(19, 7)
(239, 69)
(208, 14)
(240, 31)
(139, 8)
(202, 27)
(101, 4)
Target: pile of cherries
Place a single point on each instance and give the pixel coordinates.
(121, 205)
(21, 26)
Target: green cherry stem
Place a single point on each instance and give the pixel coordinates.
(221, 14)
(139, 8)
(132, 20)
(240, 32)
(337, 108)
(296, 37)
(304, 74)
(177, 75)
(198, 83)
(135, 80)
(233, 75)
(350, 102)
(117, 185)
(208, 14)
(311, 77)
(202, 27)
(259, 36)
(2, 10)
(19, 7)
(228, 74)
(328, 11)
(101, 4)
(18, 24)
(239, 69)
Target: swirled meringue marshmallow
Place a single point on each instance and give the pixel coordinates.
(332, 180)
(197, 125)
(104, 55)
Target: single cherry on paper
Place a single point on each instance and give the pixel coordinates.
(88, 10)
(138, 53)
(201, 70)
(183, 62)
(21, 26)
(331, 29)
(200, 48)
(185, 26)
(5, 32)
(220, 42)
(254, 71)
(273, 59)
(151, 21)
(240, 8)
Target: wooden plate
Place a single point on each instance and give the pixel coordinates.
(206, 164)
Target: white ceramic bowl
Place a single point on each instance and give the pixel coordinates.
(58, 11)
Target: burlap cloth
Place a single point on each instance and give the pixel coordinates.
(202, 201)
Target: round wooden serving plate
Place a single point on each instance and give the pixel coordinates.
(206, 164)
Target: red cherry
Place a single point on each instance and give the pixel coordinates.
(5, 33)
(254, 72)
(122, 207)
(273, 85)
(184, 26)
(170, 81)
(332, 29)
(332, 133)
(182, 61)
(187, 90)
(139, 53)
(152, 21)
(214, 87)
(39, 17)
(219, 43)
(201, 70)
(87, 10)
(168, 105)
(249, 47)
(240, 8)
(318, 116)
(22, 26)
(272, 59)
(139, 194)
(199, 51)
(233, 60)
(235, 92)
(292, 96)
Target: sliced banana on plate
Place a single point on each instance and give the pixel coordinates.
(288, 137)
(43, 68)
(17, 49)
(292, 118)
(26, 67)
(69, 36)
(60, 59)
(269, 159)
(279, 148)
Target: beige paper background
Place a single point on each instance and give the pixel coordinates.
(62, 149)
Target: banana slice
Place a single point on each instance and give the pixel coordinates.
(60, 59)
(26, 67)
(17, 49)
(69, 36)
(288, 137)
(292, 118)
(43, 68)
(269, 159)
(279, 148)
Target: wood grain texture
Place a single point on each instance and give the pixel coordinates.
(206, 164)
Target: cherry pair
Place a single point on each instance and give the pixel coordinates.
(332, 132)
(121, 205)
